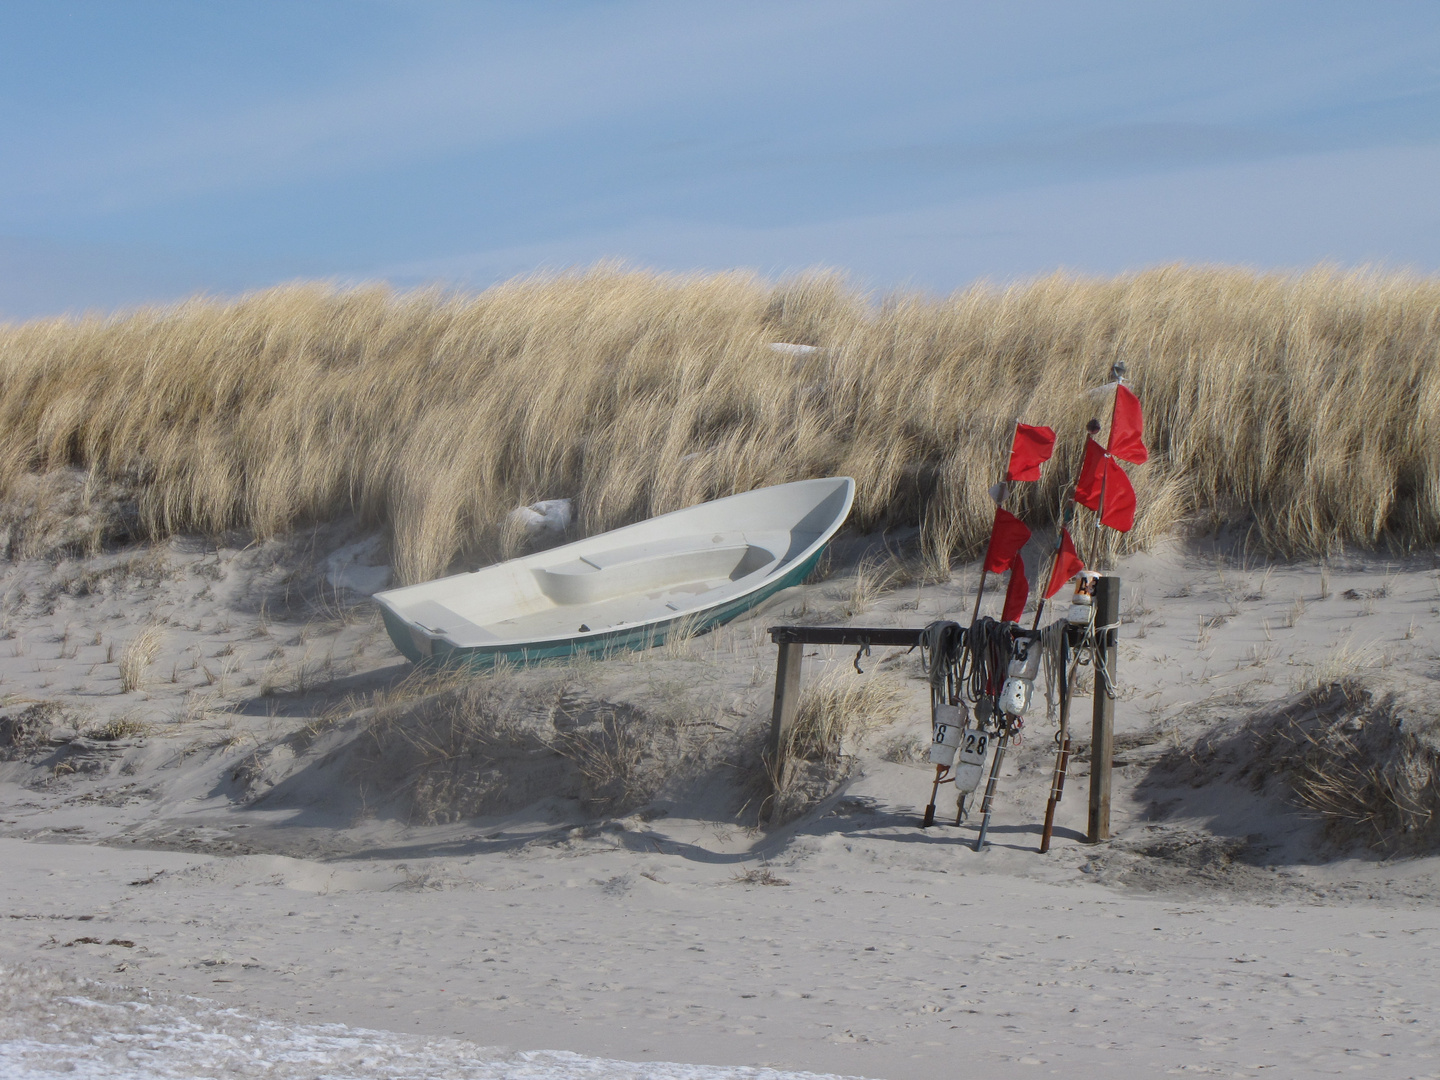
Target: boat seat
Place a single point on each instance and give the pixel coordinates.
(655, 549)
(651, 567)
(439, 620)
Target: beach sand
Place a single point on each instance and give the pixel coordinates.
(205, 836)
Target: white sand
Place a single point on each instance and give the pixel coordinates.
(891, 952)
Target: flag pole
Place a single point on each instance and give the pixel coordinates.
(1067, 516)
(1117, 376)
(1065, 519)
(1000, 502)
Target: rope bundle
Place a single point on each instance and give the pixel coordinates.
(970, 663)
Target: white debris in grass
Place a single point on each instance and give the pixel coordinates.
(785, 348)
(549, 515)
(360, 567)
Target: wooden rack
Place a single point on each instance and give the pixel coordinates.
(793, 639)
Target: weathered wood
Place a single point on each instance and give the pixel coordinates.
(879, 636)
(787, 702)
(1102, 731)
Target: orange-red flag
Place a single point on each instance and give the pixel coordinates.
(1067, 565)
(1092, 475)
(1007, 536)
(1127, 428)
(1119, 509)
(1017, 592)
(1031, 449)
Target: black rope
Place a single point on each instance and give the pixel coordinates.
(987, 656)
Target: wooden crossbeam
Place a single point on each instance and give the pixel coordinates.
(878, 636)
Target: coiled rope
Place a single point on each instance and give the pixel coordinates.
(942, 645)
(987, 656)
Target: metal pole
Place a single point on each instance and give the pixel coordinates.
(1102, 732)
(990, 788)
(1062, 752)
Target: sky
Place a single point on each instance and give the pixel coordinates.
(151, 150)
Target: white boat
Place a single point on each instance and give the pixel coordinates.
(626, 589)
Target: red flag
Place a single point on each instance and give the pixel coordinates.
(1119, 509)
(1092, 474)
(1017, 592)
(1007, 536)
(1032, 448)
(1067, 565)
(1127, 428)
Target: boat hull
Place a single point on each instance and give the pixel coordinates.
(633, 639)
(630, 588)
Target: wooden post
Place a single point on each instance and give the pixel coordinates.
(787, 703)
(792, 641)
(1102, 732)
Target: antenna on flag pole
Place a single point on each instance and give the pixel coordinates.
(1117, 378)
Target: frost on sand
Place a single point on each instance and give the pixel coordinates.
(50, 1026)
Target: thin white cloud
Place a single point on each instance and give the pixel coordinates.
(469, 93)
(847, 75)
(1353, 207)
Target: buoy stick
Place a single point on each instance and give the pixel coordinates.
(989, 802)
(974, 615)
(1062, 754)
(1005, 489)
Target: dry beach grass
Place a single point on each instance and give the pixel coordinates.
(1304, 403)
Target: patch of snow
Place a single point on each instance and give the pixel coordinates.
(106, 1037)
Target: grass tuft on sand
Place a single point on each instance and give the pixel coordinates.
(464, 746)
(1367, 766)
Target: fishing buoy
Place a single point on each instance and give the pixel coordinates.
(949, 732)
(1015, 696)
(1025, 658)
(970, 768)
(1082, 604)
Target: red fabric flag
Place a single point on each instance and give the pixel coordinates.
(1127, 428)
(1067, 565)
(1007, 536)
(1032, 448)
(1119, 509)
(1092, 474)
(1017, 592)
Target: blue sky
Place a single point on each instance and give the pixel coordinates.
(155, 149)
